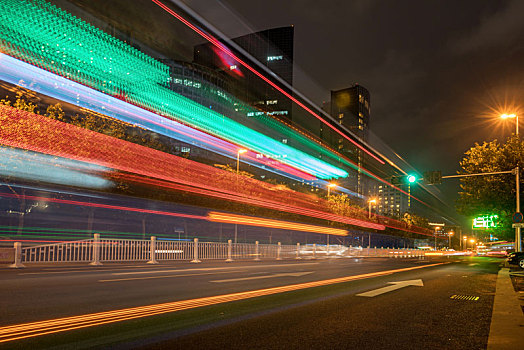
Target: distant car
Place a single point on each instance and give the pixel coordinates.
(516, 258)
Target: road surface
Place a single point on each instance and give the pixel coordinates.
(334, 303)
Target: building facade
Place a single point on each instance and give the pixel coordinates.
(272, 48)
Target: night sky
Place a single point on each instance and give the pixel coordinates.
(438, 72)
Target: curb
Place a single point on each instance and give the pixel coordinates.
(507, 320)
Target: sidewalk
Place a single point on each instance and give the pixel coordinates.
(507, 320)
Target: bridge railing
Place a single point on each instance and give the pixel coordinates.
(98, 250)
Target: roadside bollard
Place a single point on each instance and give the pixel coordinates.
(229, 249)
(152, 251)
(18, 257)
(279, 247)
(195, 252)
(257, 254)
(96, 250)
(298, 251)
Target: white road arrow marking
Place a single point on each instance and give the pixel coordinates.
(290, 274)
(394, 286)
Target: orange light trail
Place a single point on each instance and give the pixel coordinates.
(34, 329)
(261, 222)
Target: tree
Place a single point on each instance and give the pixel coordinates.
(414, 220)
(493, 194)
(341, 205)
(55, 112)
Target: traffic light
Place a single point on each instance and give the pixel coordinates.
(433, 177)
(404, 179)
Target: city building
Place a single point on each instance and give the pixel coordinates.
(272, 48)
(390, 202)
(351, 109)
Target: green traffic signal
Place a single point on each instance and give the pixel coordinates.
(411, 178)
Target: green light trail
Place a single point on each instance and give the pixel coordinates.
(48, 37)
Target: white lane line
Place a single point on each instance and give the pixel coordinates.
(92, 270)
(394, 286)
(210, 269)
(290, 274)
(167, 276)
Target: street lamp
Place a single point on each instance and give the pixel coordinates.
(465, 245)
(450, 233)
(518, 237)
(436, 229)
(371, 201)
(472, 241)
(510, 116)
(330, 186)
(239, 152)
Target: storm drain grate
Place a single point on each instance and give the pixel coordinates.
(464, 297)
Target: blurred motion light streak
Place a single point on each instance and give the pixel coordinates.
(48, 37)
(40, 134)
(228, 52)
(20, 73)
(262, 222)
(23, 164)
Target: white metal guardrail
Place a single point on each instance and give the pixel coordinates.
(98, 250)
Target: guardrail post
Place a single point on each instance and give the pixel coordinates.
(279, 248)
(298, 251)
(314, 250)
(229, 250)
(18, 256)
(257, 253)
(195, 252)
(152, 251)
(96, 250)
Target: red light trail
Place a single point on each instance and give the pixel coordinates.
(40, 134)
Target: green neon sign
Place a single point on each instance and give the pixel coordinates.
(485, 221)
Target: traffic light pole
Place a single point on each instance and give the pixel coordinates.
(516, 172)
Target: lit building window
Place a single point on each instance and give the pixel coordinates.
(274, 58)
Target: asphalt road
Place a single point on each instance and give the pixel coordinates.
(332, 315)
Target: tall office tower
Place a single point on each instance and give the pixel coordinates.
(351, 108)
(274, 49)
